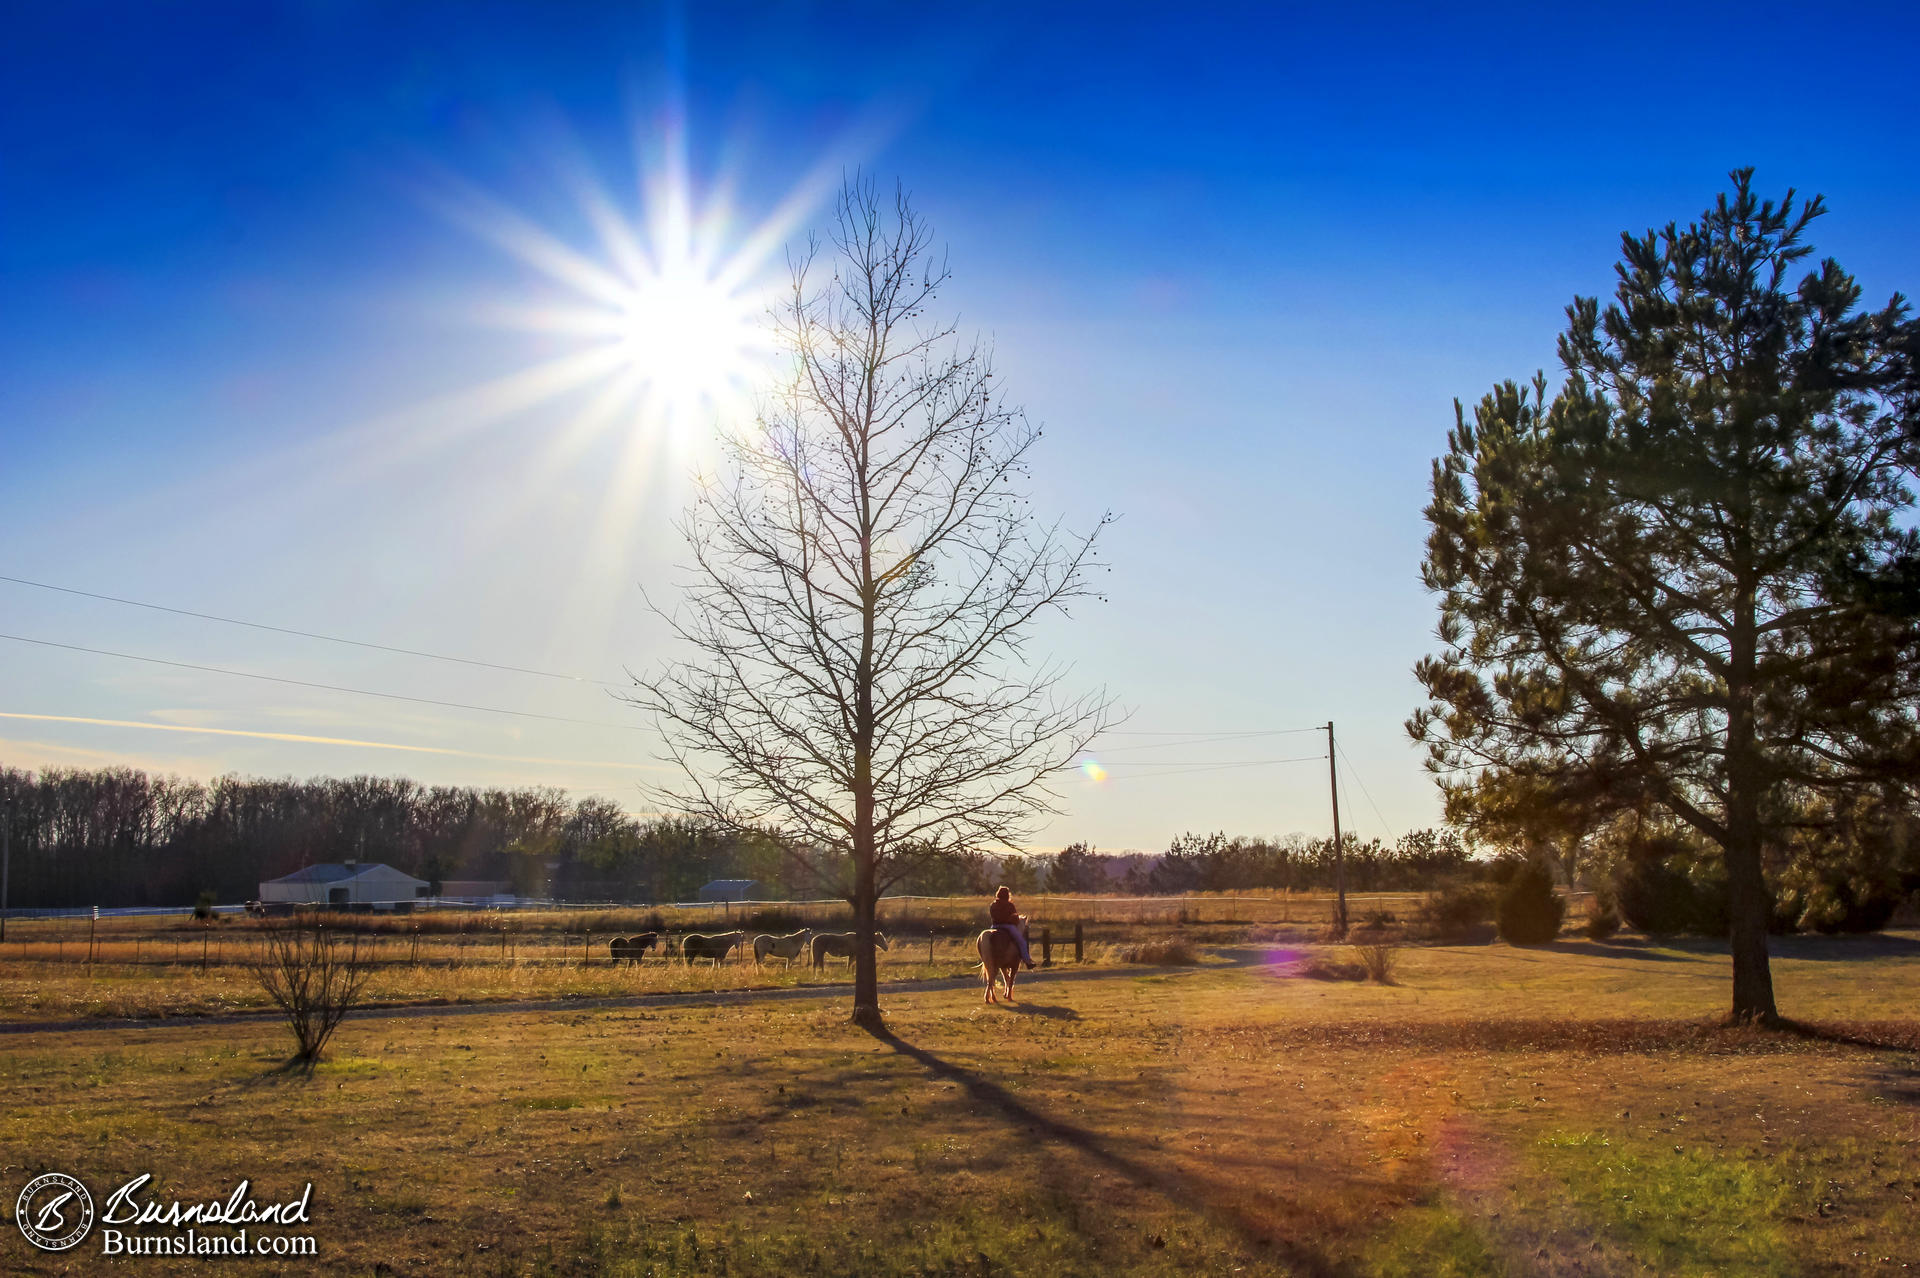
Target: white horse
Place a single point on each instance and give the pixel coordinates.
(840, 945)
(789, 947)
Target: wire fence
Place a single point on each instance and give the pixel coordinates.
(545, 933)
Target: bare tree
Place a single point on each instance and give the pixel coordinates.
(865, 577)
(314, 979)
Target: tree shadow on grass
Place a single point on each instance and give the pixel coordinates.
(1844, 949)
(1900, 1084)
(1298, 1255)
(1873, 1036)
(1689, 949)
(1624, 949)
(293, 1067)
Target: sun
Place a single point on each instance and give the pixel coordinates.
(691, 343)
(661, 304)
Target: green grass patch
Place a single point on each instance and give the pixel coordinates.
(1678, 1211)
(1432, 1241)
(1043, 1232)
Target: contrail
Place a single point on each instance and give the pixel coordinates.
(335, 741)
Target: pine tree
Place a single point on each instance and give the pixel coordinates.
(1685, 584)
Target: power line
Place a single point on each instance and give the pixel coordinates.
(309, 634)
(1224, 738)
(1358, 780)
(1194, 732)
(1175, 770)
(325, 687)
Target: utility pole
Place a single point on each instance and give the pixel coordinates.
(1339, 848)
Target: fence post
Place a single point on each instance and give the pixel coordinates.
(1046, 947)
(1079, 941)
(92, 923)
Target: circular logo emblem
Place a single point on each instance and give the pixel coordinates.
(54, 1211)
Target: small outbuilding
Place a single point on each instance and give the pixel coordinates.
(730, 890)
(369, 885)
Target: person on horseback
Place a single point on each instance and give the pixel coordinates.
(1006, 917)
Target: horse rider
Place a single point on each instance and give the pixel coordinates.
(1006, 917)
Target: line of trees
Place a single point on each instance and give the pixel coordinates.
(1419, 861)
(117, 837)
(122, 837)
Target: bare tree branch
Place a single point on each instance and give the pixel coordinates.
(863, 583)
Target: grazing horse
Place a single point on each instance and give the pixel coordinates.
(709, 945)
(632, 947)
(840, 945)
(789, 947)
(999, 956)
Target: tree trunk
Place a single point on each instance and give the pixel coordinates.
(1748, 906)
(866, 980)
(866, 977)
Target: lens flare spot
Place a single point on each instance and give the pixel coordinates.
(1093, 770)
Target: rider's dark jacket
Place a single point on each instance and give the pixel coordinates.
(1004, 912)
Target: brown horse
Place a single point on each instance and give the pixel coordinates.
(999, 956)
(632, 947)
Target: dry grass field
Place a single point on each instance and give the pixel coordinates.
(151, 966)
(1567, 1110)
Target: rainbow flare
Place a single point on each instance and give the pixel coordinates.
(1093, 769)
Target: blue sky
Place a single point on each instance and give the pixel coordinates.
(1238, 261)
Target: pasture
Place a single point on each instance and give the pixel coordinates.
(146, 966)
(1566, 1110)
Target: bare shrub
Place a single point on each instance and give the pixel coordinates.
(1175, 953)
(314, 978)
(1602, 922)
(1319, 967)
(1378, 957)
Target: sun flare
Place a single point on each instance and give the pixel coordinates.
(662, 303)
(645, 308)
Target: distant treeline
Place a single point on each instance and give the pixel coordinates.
(1418, 861)
(121, 837)
(118, 837)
